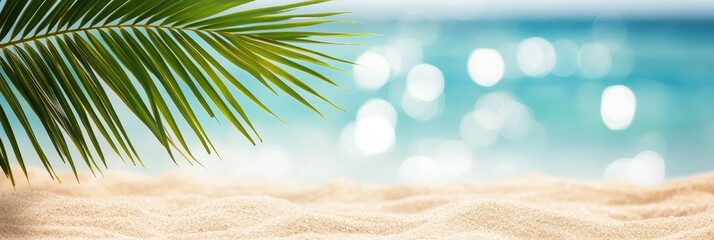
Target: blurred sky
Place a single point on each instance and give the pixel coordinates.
(494, 9)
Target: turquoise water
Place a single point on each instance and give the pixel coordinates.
(556, 128)
(668, 65)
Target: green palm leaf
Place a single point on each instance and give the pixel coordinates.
(61, 60)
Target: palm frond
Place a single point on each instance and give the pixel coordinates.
(62, 61)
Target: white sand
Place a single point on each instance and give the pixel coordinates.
(178, 206)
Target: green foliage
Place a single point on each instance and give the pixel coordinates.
(60, 59)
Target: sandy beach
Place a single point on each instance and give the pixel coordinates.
(179, 206)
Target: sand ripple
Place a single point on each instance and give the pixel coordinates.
(177, 206)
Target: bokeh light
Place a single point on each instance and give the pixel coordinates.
(374, 135)
(380, 108)
(410, 51)
(419, 109)
(347, 140)
(486, 67)
(454, 158)
(618, 107)
(647, 168)
(425, 82)
(480, 128)
(515, 120)
(619, 170)
(594, 60)
(371, 71)
(392, 55)
(497, 113)
(493, 100)
(536, 57)
(373, 131)
(419, 169)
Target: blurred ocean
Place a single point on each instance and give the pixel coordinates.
(556, 72)
(486, 100)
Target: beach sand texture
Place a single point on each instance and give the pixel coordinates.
(178, 206)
